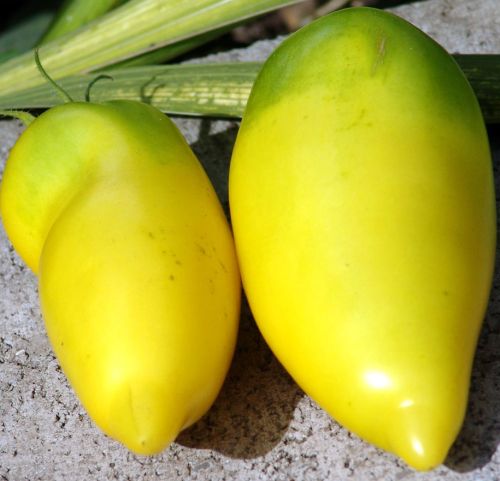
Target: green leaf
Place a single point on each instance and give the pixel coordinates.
(219, 90)
(169, 52)
(24, 35)
(74, 14)
(136, 27)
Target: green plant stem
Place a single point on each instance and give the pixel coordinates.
(219, 90)
(169, 52)
(75, 13)
(25, 117)
(134, 28)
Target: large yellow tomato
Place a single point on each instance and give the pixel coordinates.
(362, 203)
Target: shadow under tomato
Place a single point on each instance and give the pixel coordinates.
(214, 152)
(480, 434)
(256, 403)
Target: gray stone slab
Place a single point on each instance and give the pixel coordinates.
(459, 26)
(262, 427)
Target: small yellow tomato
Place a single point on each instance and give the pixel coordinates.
(139, 283)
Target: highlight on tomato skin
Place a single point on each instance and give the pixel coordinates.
(363, 209)
(138, 278)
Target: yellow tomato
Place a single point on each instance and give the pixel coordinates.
(139, 283)
(363, 210)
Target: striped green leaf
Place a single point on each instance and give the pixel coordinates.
(219, 90)
(136, 27)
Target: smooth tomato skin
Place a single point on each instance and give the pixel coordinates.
(138, 279)
(363, 208)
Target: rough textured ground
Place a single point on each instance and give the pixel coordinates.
(262, 427)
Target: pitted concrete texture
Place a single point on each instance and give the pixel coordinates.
(262, 427)
(459, 26)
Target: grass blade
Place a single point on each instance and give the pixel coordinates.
(169, 52)
(219, 90)
(136, 27)
(74, 14)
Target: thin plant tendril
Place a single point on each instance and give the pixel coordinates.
(60, 91)
(92, 82)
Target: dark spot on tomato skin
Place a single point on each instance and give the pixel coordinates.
(171, 277)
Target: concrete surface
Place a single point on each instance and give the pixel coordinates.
(262, 427)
